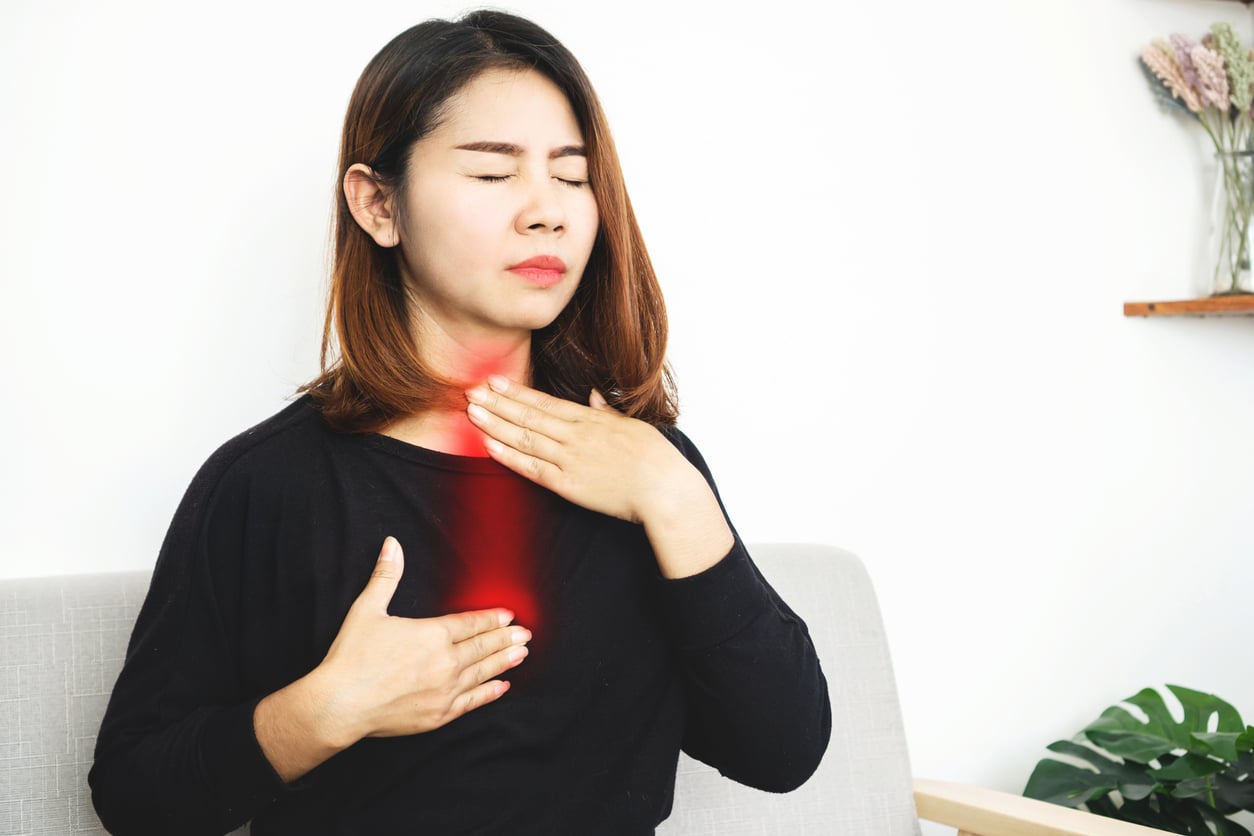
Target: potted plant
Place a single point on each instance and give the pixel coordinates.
(1136, 762)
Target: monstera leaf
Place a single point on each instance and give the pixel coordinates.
(1136, 762)
(1121, 733)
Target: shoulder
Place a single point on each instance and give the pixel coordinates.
(280, 449)
(688, 449)
(297, 427)
(240, 484)
(681, 441)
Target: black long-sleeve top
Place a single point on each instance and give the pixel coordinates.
(278, 534)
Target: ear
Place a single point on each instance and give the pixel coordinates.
(371, 205)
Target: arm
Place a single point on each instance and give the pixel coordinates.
(176, 751)
(758, 708)
(185, 748)
(758, 705)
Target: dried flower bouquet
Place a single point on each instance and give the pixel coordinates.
(1213, 81)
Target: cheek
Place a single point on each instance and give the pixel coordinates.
(463, 233)
(589, 222)
(474, 216)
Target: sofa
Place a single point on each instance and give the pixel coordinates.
(63, 639)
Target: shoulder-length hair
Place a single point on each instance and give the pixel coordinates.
(612, 334)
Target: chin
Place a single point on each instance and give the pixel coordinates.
(538, 323)
(540, 319)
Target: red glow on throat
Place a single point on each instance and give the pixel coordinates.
(464, 438)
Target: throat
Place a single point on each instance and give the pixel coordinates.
(467, 361)
(445, 431)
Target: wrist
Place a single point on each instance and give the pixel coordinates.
(674, 498)
(297, 727)
(686, 528)
(332, 724)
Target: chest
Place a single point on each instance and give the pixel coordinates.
(584, 584)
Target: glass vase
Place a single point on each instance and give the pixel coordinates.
(1230, 228)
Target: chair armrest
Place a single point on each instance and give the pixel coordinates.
(983, 812)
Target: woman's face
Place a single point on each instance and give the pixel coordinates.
(498, 220)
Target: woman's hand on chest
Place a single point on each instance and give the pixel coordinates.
(606, 462)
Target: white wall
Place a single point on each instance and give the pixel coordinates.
(895, 239)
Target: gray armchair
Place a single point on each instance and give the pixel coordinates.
(62, 641)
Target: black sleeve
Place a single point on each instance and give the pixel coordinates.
(176, 751)
(758, 707)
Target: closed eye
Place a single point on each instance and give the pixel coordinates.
(501, 178)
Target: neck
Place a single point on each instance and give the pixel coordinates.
(470, 365)
(468, 362)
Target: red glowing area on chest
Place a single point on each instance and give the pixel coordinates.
(492, 524)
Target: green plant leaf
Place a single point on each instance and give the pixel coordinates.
(1223, 826)
(1194, 788)
(1194, 815)
(1146, 812)
(1067, 784)
(1235, 792)
(1221, 744)
(1121, 733)
(1131, 779)
(1187, 767)
(1199, 706)
(1203, 765)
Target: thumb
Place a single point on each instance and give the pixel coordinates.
(597, 401)
(385, 577)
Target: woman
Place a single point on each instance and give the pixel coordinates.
(559, 603)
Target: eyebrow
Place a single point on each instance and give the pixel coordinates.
(509, 149)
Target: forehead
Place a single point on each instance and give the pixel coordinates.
(509, 105)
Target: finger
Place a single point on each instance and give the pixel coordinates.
(543, 473)
(597, 401)
(388, 569)
(478, 697)
(539, 416)
(558, 407)
(531, 441)
(463, 625)
(493, 666)
(479, 647)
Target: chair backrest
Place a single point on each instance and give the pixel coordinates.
(863, 787)
(63, 639)
(62, 642)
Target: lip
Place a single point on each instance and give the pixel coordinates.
(542, 270)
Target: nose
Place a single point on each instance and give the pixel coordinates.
(543, 209)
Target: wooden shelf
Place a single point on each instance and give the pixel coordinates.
(1242, 305)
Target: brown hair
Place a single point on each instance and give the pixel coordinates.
(612, 334)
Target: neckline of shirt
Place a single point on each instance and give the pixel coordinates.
(435, 458)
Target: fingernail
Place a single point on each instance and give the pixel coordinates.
(517, 654)
(476, 395)
(522, 634)
(389, 549)
(498, 382)
(504, 616)
(476, 412)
